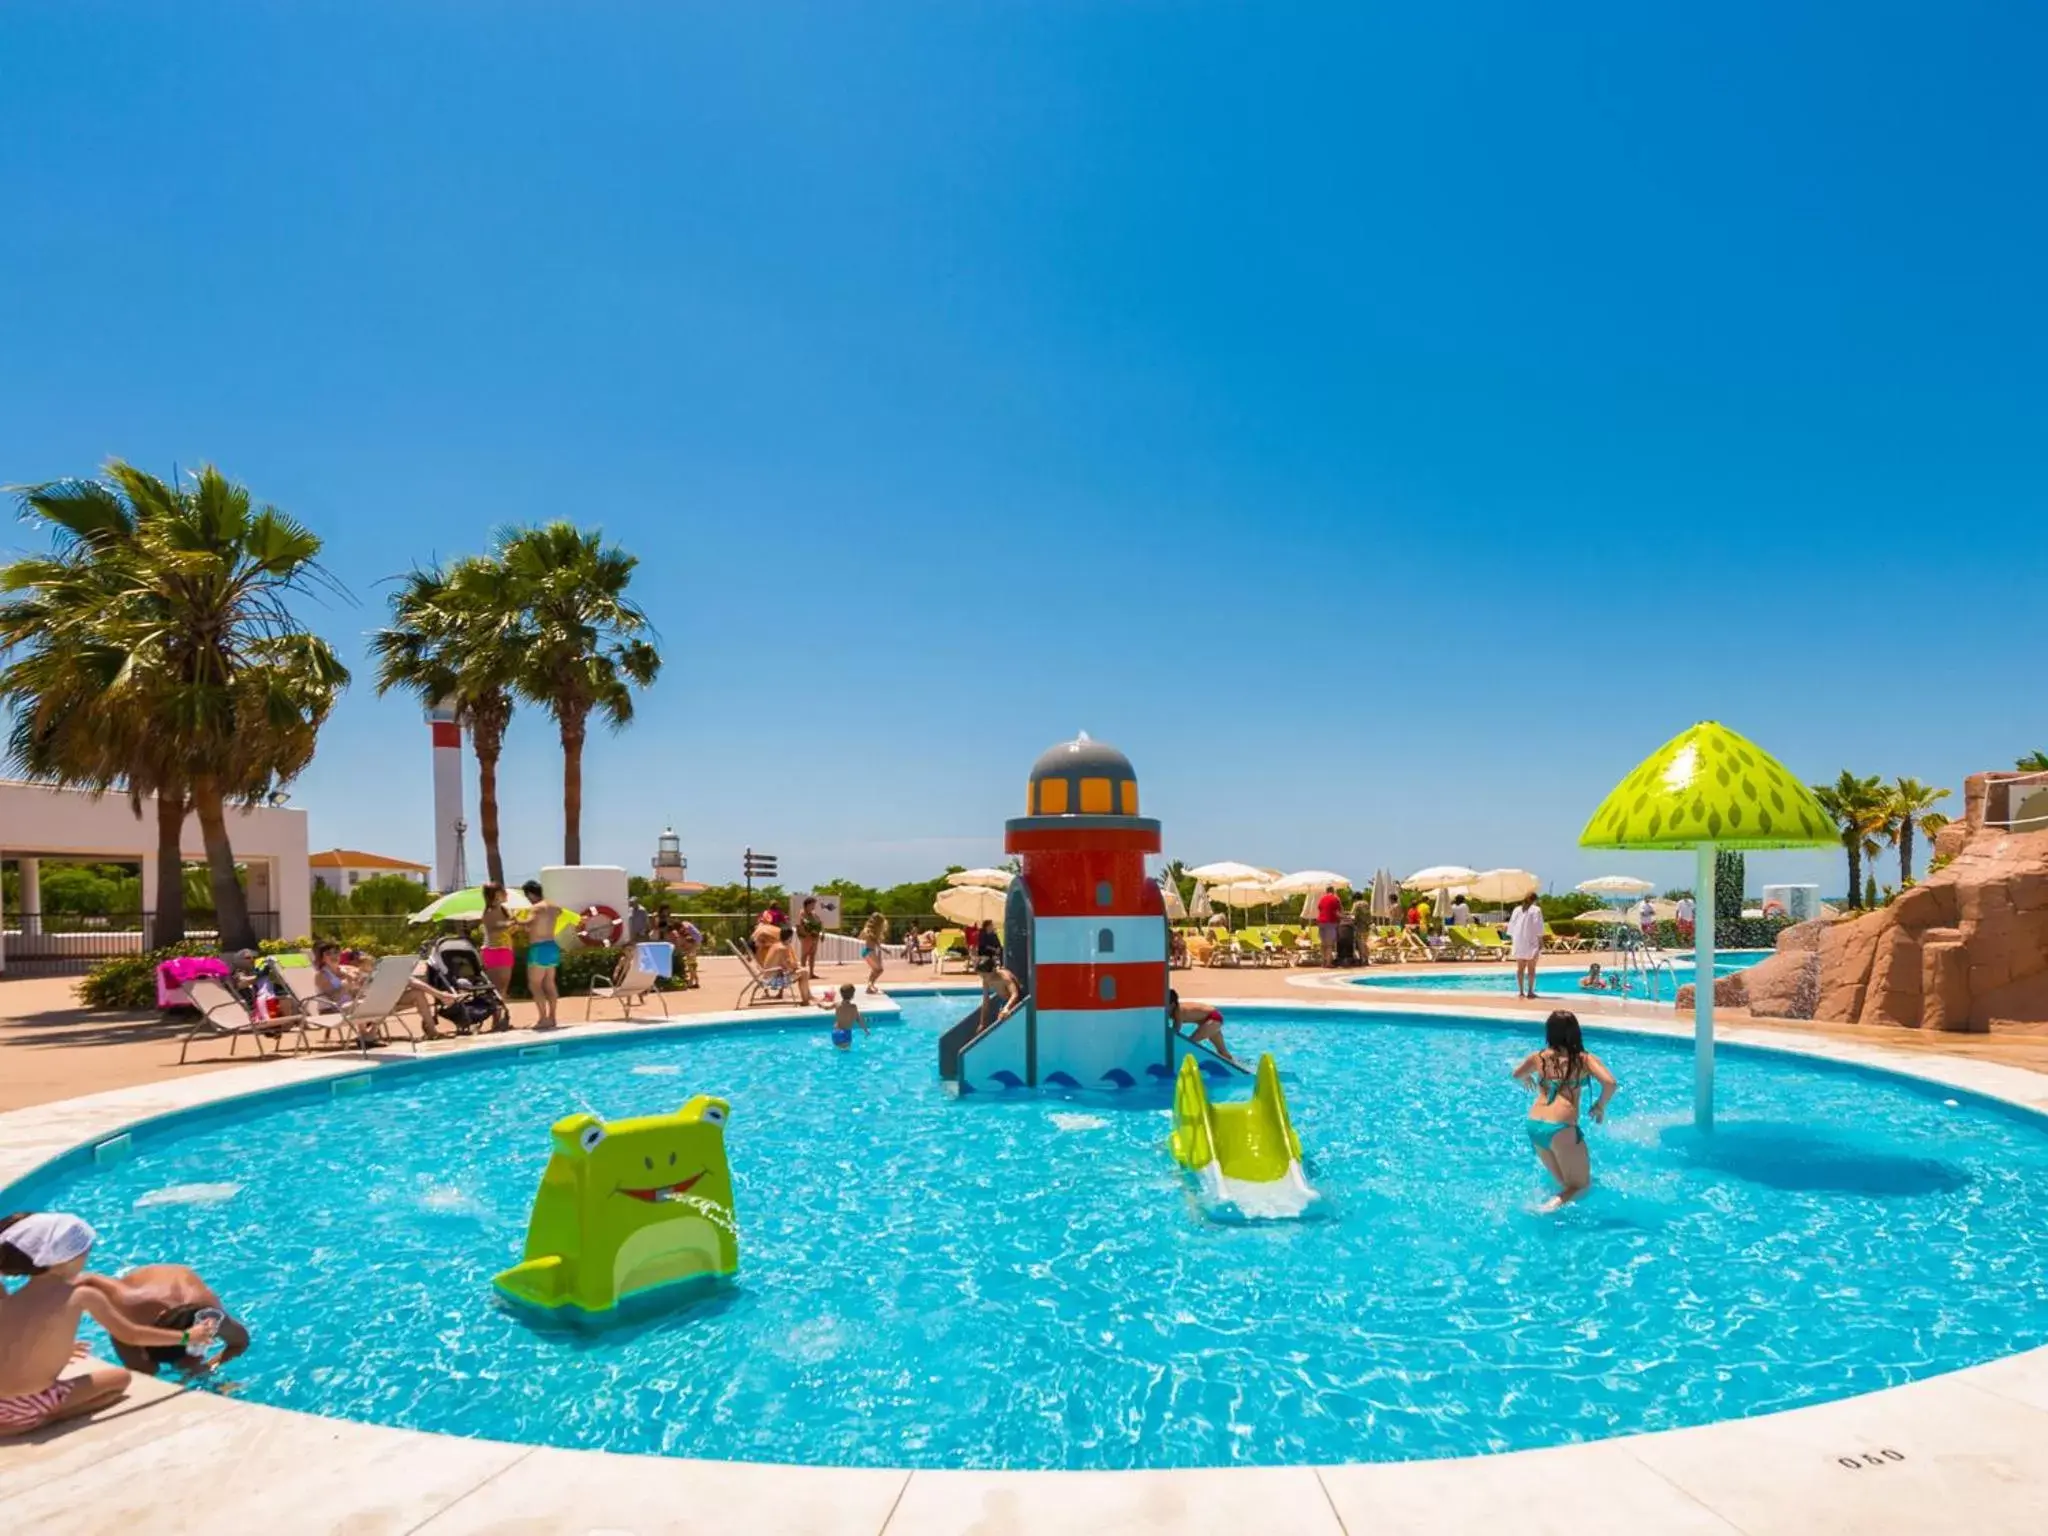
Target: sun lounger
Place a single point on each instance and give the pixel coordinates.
(765, 989)
(950, 949)
(376, 1012)
(1477, 942)
(223, 1013)
(638, 985)
(1565, 943)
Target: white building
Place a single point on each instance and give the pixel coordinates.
(343, 869)
(38, 822)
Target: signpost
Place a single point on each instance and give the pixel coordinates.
(757, 865)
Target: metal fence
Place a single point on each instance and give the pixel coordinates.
(40, 942)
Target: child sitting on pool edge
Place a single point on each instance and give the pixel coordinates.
(845, 1014)
(39, 1324)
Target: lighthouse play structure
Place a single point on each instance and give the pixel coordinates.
(1084, 933)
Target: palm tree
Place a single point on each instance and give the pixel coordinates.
(1858, 808)
(61, 671)
(2033, 762)
(455, 640)
(583, 645)
(1907, 802)
(187, 623)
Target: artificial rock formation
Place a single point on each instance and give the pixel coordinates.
(1967, 949)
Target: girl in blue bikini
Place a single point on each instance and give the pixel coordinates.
(1556, 1075)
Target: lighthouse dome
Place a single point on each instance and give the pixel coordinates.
(1082, 778)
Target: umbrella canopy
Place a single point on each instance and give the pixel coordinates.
(997, 878)
(1228, 871)
(970, 904)
(1708, 788)
(1201, 909)
(1310, 881)
(1615, 885)
(1441, 877)
(1503, 885)
(1386, 896)
(1244, 893)
(1709, 785)
(1169, 896)
(465, 906)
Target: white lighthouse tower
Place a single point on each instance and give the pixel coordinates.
(671, 869)
(449, 864)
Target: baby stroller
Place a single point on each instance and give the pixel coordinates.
(453, 965)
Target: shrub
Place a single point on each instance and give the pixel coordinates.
(1730, 873)
(128, 982)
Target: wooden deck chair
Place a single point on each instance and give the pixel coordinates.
(764, 989)
(223, 1013)
(635, 988)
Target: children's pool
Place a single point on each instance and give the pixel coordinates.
(1026, 1282)
(1562, 981)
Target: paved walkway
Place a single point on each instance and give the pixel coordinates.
(1967, 1451)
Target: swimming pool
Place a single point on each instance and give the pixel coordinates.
(1024, 1281)
(1553, 980)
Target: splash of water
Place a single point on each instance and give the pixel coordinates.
(188, 1194)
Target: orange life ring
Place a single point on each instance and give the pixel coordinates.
(601, 926)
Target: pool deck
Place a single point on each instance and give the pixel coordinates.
(1964, 1451)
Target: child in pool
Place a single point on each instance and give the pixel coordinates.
(845, 1014)
(1593, 981)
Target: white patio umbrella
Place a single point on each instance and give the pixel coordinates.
(1441, 877)
(1311, 882)
(1244, 893)
(1615, 885)
(1169, 895)
(1201, 909)
(997, 878)
(1503, 885)
(970, 904)
(1229, 871)
(1386, 895)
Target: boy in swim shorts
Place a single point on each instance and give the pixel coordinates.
(845, 1014)
(39, 1324)
(543, 954)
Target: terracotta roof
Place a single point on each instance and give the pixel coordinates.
(355, 858)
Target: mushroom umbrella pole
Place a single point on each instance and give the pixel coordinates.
(1708, 788)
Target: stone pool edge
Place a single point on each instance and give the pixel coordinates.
(1970, 1444)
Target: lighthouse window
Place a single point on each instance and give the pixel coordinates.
(1052, 797)
(1095, 798)
(1129, 790)
(1105, 942)
(1105, 989)
(1102, 894)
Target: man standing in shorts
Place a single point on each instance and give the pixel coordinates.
(543, 954)
(1329, 913)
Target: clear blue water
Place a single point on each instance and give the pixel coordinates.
(1554, 980)
(1027, 1281)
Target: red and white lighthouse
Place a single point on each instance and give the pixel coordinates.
(449, 864)
(1084, 932)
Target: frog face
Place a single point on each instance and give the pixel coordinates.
(651, 1159)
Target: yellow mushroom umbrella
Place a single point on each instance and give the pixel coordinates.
(1708, 788)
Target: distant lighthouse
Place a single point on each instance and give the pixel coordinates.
(448, 822)
(1084, 932)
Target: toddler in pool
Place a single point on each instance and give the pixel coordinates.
(845, 1014)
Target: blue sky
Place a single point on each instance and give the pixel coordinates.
(1386, 423)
